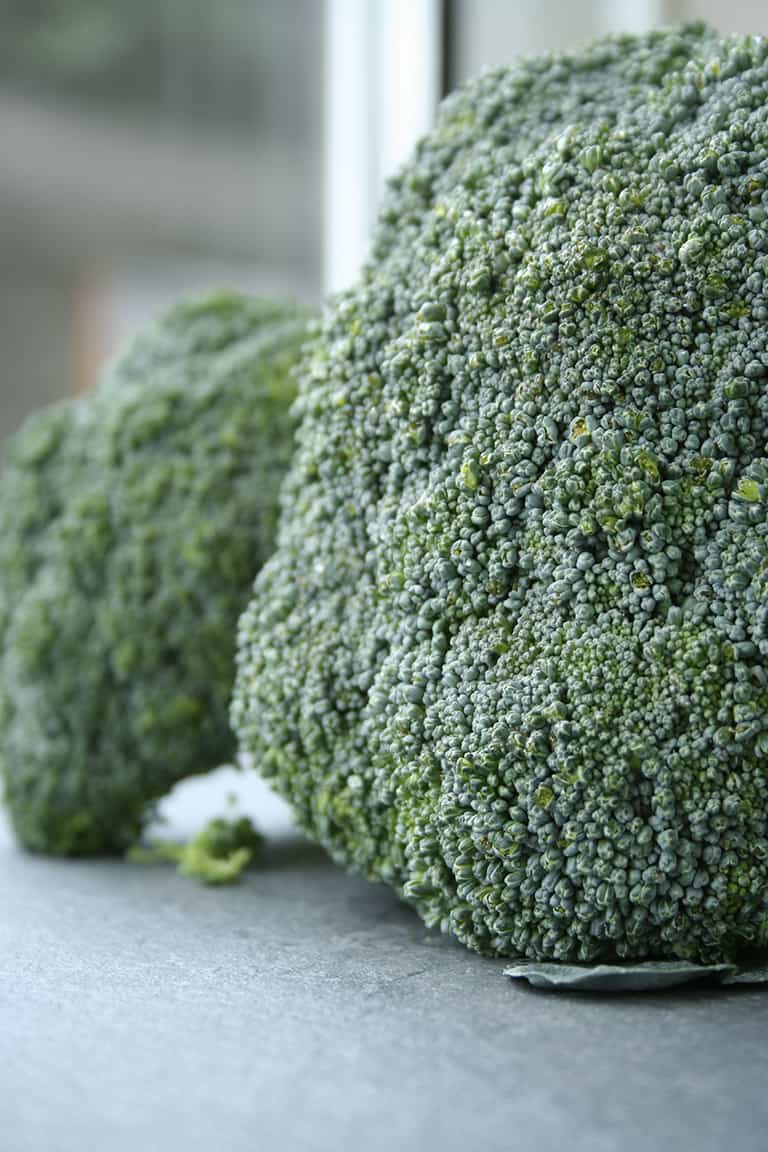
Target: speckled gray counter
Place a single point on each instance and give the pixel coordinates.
(306, 1010)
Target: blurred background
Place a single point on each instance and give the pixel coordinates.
(154, 147)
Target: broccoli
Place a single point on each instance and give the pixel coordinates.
(218, 855)
(511, 653)
(132, 522)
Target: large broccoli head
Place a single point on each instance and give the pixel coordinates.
(132, 522)
(511, 655)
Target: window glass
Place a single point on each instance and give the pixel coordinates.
(149, 148)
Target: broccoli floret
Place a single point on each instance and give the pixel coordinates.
(511, 654)
(218, 855)
(132, 522)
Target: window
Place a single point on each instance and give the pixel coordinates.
(149, 149)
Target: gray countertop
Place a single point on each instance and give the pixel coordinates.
(306, 1010)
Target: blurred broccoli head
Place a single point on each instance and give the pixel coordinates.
(511, 654)
(132, 522)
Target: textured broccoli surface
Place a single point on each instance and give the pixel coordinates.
(132, 522)
(511, 654)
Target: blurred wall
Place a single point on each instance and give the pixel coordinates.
(37, 343)
(727, 15)
(487, 33)
(149, 149)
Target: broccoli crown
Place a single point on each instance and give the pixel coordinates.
(510, 655)
(132, 522)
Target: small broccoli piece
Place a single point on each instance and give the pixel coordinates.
(511, 654)
(219, 854)
(222, 851)
(132, 522)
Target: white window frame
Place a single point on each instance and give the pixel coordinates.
(383, 84)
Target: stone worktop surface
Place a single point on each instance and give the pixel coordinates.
(307, 1010)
